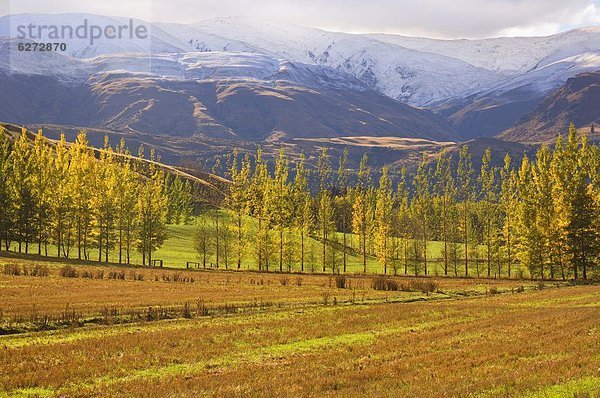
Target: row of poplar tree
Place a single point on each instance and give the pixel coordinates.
(540, 216)
(72, 199)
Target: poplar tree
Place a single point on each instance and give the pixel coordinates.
(582, 230)
(560, 187)
(528, 238)
(259, 209)
(202, 241)
(466, 192)
(41, 173)
(423, 207)
(362, 211)
(302, 202)
(325, 202)
(509, 203)
(151, 210)
(104, 201)
(180, 208)
(23, 201)
(126, 195)
(6, 205)
(343, 205)
(583, 236)
(281, 205)
(487, 182)
(237, 201)
(445, 191)
(384, 218)
(225, 237)
(544, 203)
(81, 178)
(403, 219)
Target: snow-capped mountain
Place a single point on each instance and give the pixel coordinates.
(213, 95)
(509, 56)
(481, 86)
(410, 76)
(417, 71)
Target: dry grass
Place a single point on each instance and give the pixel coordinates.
(449, 338)
(91, 290)
(491, 346)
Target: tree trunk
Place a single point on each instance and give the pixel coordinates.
(364, 250)
(280, 249)
(302, 250)
(466, 239)
(344, 250)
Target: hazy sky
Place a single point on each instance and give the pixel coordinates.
(430, 18)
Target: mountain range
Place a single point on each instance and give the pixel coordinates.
(248, 81)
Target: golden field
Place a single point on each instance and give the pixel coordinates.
(253, 335)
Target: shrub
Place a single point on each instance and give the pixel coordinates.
(135, 276)
(186, 311)
(68, 271)
(429, 286)
(284, 281)
(298, 281)
(116, 275)
(151, 314)
(340, 281)
(39, 270)
(494, 290)
(12, 269)
(201, 307)
(381, 283)
(87, 274)
(100, 274)
(420, 286)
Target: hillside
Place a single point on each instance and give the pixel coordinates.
(576, 101)
(417, 71)
(208, 187)
(231, 96)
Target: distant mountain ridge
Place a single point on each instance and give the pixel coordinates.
(242, 80)
(416, 71)
(235, 96)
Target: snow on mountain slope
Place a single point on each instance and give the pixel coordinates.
(205, 41)
(222, 65)
(551, 75)
(183, 66)
(233, 96)
(410, 76)
(417, 71)
(63, 67)
(155, 41)
(506, 55)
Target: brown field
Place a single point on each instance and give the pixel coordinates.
(468, 338)
(91, 291)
